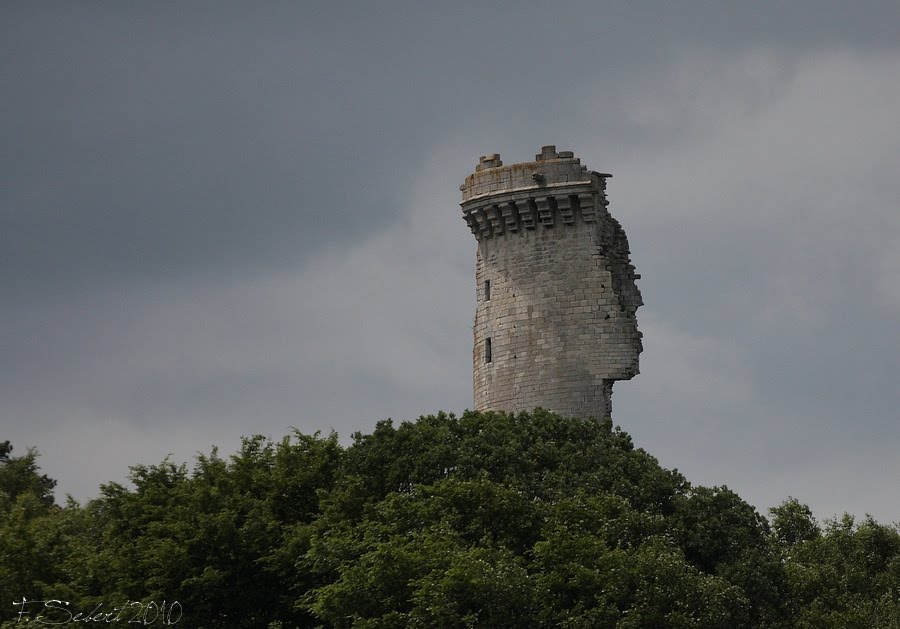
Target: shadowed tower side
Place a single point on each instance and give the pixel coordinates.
(555, 322)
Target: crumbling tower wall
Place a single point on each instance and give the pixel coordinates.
(556, 297)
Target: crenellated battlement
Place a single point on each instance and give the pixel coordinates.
(550, 171)
(555, 189)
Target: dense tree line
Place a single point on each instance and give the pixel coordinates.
(486, 520)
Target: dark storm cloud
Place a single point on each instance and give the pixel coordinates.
(160, 139)
(140, 143)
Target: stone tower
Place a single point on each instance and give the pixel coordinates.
(555, 322)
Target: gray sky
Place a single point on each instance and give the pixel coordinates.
(220, 219)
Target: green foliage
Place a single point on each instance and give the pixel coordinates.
(486, 520)
(793, 523)
(33, 530)
(20, 476)
(846, 577)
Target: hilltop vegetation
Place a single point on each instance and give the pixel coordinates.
(486, 520)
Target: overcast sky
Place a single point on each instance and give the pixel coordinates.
(220, 219)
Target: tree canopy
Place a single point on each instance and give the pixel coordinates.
(484, 520)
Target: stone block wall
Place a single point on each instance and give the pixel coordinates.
(555, 319)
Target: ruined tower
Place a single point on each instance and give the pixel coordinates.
(555, 322)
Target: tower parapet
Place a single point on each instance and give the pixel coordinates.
(555, 323)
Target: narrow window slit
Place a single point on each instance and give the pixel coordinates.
(487, 350)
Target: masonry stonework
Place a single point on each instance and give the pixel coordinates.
(555, 322)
